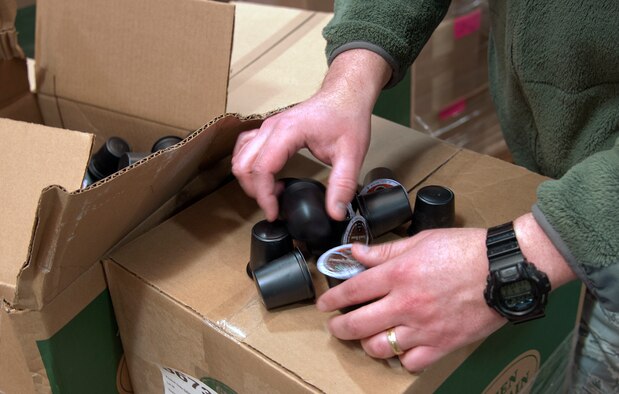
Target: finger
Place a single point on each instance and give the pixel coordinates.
(243, 139)
(371, 256)
(367, 286)
(378, 345)
(365, 321)
(342, 184)
(243, 164)
(276, 151)
(421, 357)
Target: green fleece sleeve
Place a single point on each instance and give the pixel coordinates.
(583, 208)
(397, 29)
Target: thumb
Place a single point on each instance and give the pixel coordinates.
(342, 186)
(371, 256)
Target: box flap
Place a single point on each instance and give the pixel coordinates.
(134, 58)
(33, 157)
(258, 28)
(75, 229)
(286, 73)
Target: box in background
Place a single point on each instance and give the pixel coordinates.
(190, 317)
(54, 295)
(56, 318)
(312, 5)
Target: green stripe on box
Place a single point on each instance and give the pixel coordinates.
(547, 336)
(83, 356)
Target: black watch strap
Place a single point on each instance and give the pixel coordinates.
(508, 265)
(502, 246)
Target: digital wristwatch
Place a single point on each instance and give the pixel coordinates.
(515, 288)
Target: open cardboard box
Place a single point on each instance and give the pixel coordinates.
(140, 70)
(191, 319)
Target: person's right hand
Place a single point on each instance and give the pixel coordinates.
(334, 124)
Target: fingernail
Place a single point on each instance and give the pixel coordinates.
(340, 209)
(362, 248)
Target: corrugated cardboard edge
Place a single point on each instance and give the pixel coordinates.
(54, 260)
(110, 265)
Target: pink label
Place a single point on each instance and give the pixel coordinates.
(467, 24)
(453, 110)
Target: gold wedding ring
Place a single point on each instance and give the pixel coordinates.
(393, 342)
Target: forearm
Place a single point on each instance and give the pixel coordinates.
(357, 77)
(395, 29)
(539, 250)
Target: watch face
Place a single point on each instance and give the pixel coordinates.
(518, 296)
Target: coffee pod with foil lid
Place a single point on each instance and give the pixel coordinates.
(385, 209)
(338, 265)
(284, 281)
(357, 231)
(434, 208)
(377, 179)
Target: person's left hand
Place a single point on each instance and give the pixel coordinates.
(428, 287)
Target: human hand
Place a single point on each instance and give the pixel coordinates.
(334, 125)
(336, 133)
(428, 287)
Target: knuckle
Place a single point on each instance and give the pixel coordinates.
(353, 326)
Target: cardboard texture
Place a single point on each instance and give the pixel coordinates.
(56, 318)
(99, 67)
(278, 57)
(184, 302)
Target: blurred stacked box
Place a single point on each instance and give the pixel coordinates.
(450, 96)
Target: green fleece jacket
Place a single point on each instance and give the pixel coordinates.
(554, 78)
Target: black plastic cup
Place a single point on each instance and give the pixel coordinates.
(130, 158)
(379, 178)
(284, 281)
(302, 208)
(105, 161)
(384, 209)
(269, 241)
(434, 208)
(165, 142)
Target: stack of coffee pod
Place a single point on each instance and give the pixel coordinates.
(280, 249)
(116, 154)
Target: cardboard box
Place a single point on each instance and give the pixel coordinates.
(57, 330)
(97, 71)
(190, 318)
(277, 59)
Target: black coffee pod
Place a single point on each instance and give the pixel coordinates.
(269, 241)
(165, 142)
(434, 208)
(377, 179)
(385, 209)
(129, 158)
(338, 265)
(302, 208)
(105, 161)
(284, 281)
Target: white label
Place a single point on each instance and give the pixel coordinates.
(177, 382)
